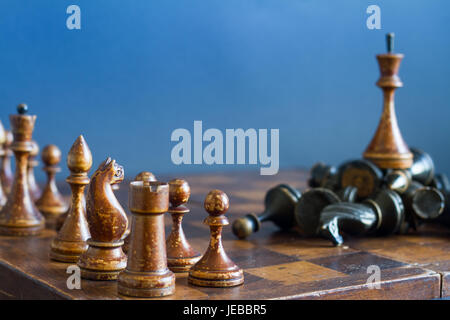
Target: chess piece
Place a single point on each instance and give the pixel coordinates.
(19, 216)
(323, 176)
(279, 203)
(387, 149)
(180, 255)
(398, 180)
(422, 169)
(382, 215)
(51, 203)
(5, 169)
(441, 182)
(70, 242)
(215, 268)
(348, 194)
(363, 175)
(104, 258)
(35, 191)
(146, 274)
(2, 153)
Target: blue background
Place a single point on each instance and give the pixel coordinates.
(139, 69)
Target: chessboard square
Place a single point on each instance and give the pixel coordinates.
(415, 253)
(356, 263)
(258, 256)
(295, 272)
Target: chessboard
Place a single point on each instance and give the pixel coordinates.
(277, 265)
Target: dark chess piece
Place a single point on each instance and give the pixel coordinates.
(382, 215)
(104, 258)
(387, 149)
(215, 268)
(146, 274)
(51, 203)
(180, 255)
(19, 216)
(3, 198)
(6, 174)
(441, 182)
(70, 242)
(348, 194)
(398, 180)
(35, 191)
(363, 175)
(422, 169)
(279, 203)
(323, 176)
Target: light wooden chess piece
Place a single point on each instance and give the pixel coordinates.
(19, 216)
(215, 268)
(35, 191)
(6, 174)
(104, 258)
(70, 242)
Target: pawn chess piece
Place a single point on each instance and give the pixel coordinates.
(51, 203)
(348, 194)
(180, 255)
(104, 258)
(35, 191)
(215, 268)
(398, 180)
(6, 174)
(19, 216)
(363, 175)
(146, 274)
(279, 203)
(422, 169)
(70, 242)
(387, 149)
(3, 198)
(323, 176)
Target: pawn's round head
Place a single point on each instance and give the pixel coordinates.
(35, 149)
(22, 108)
(145, 176)
(51, 155)
(179, 192)
(216, 203)
(243, 227)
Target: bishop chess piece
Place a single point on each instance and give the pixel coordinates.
(51, 203)
(215, 268)
(279, 203)
(70, 242)
(2, 153)
(387, 149)
(35, 191)
(146, 273)
(180, 255)
(104, 258)
(19, 216)
(6, 174)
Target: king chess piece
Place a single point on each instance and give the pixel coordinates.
(51, 203)
(387, 149)
(19, 216)
(215, 268)
(104, 258)
(6, 174)
(35, 191)
(70, 242)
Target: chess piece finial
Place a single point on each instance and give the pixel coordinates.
(20, 216)
(279, 204)
(180, 255)
(51, 203)
(70, 242)
(146, 274)
(363, 175)
(35, 191)
(215, 268)
(104, 258)
(2, 153)
(6, 174)
(390, 42)
(387, 149)
(145, 176)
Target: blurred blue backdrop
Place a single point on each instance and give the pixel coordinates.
(139, 69)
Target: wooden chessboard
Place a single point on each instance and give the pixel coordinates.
(277, 265)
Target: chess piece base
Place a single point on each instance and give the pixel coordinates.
(22, 231)
(390, 161)
(183, 264)
(146, 284)
(67, 251)
(221, 279)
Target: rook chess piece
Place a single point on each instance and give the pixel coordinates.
(180, 255)
(70, 242)
(146, 274)
(104, 258)
(19, 216)
(5, 170)
(215, 268)
(35, 191)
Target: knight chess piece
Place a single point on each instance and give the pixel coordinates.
(70, 242)
(279, 203)
(6, 174)
(215, 268)
(3, 198)
(35, 191)
(146, 273)
(19, 216)
(387, 149)
(180, 255)
(104, 258)
(51, 203)
(363, 175)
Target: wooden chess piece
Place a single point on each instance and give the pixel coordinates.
(70, 242)
(6, 174)
(363, 175)
(180, 255)
(51, 203)
(215, 268)
(442, 183)
(348, 194)
(279, 203)
(19, 216)
(35, 191)
(146, 274)
(104, 258)
(398, 180)
(3, 198)
(422, 169)
(387, 149)
(323, 176)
